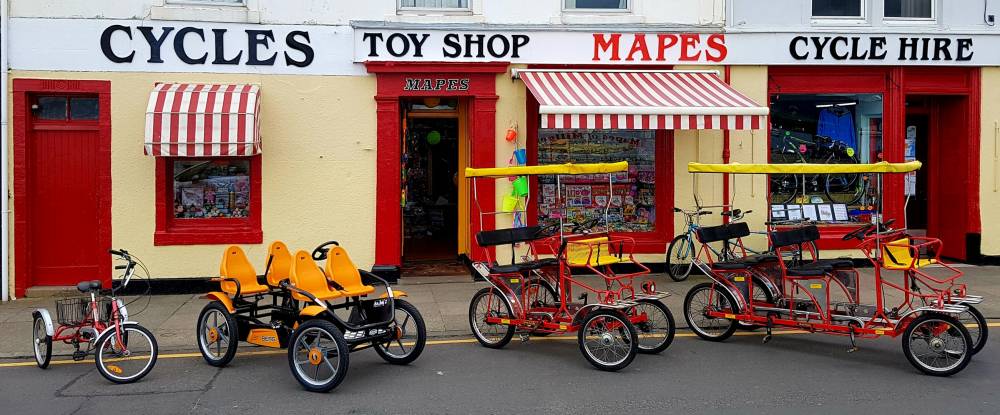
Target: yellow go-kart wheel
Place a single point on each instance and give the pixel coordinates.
(318, 355)
(218, 335)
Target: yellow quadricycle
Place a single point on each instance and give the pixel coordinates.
(321, 314)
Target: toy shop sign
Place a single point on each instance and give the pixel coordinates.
(538, 47)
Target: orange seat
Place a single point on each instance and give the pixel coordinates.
(342, 271)
(307, 276)
(236, 266)
(280, 260)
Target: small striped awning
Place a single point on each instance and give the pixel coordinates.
(203, 120)
(640, 99)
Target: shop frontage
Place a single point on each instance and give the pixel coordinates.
(361, 134)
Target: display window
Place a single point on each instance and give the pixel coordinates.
(633, 199)
(838, 128)
(208, 200)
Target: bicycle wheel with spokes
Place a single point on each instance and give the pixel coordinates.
(699, 301)
(784, 188)
(843, 188)
(217, 334)
(608, 340)
(408, 335)
(974, 321)
(937, 344)
(657, 332)
(126, 354)
(680, 257)
(318, 355)
(41, 342)
(489, 303)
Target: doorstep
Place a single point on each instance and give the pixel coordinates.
(44, 291)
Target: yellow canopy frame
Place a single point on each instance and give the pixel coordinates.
(568, 169)
(804, 168)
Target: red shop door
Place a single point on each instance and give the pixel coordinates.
(62, 190)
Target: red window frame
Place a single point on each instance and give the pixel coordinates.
(171, 231)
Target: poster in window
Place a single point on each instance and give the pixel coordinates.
(825, 212)
(809, 212)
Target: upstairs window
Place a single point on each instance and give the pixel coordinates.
(909, 9)
(838, 8)
(447, 5)
(596, 5)
(210, 2)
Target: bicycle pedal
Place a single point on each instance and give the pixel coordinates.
(766, 339)
(79, 355)
(524, 337)
(852, 349)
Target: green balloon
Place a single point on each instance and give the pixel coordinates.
(433, 138)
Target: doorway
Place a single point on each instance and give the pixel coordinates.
(61, 182)
(936, 130)
(433, 144)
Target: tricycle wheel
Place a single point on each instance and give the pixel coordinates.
(608, 340)
(484, 304)
(318, 355)
(408, 337)
(218, 336)
(702, 298)
(41, 342)
(657, 332)
(937, 344)
(974, 321)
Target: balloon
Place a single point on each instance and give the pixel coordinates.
(433, 138)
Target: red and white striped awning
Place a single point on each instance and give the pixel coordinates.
(640, 99)
(195, 120)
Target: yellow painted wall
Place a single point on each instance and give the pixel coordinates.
(318, 162)
(989, 161)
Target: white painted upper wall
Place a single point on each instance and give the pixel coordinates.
(796, 16)
(342, 12)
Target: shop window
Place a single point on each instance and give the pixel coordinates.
(600, 5)
(909, 9)
(208, 200)
(210, 2)
(838, 8)
(633, 202)
(455, 5)
(825, 129)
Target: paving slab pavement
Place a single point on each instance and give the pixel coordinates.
(443, 302)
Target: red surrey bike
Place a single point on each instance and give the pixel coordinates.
(123, 350)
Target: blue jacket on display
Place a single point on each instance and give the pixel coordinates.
(837, 126)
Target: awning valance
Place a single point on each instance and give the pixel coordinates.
(640, 99)
(195, 120)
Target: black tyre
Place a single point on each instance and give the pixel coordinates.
(937, 344)
(680, 257)
(974, 321)
(702, 298)
(217, 334)
(41, 342)
(608, 340)
(129, 359)
(489, 303)
(318, 355)
(409, 336)
(657, 332)
(844, 188)
(784, 188)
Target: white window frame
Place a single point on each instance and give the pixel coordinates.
(843, 20)
(628, 9)
(241, 3)
(912, 20)
(434, 10)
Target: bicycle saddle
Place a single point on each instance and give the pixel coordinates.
(88, 286)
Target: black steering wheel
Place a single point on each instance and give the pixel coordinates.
(587, 225)
(859, 233)
(882, 227)
(319, 254)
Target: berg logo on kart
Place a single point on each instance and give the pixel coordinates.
(380, 303)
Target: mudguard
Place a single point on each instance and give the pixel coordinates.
(49, 329)
(395, 294)
(222, 298)
(312, 311)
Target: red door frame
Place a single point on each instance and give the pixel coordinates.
(894, 83)
(482, 100)
(22, 90)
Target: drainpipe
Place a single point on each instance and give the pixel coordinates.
(725, 160)
(4, 190)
